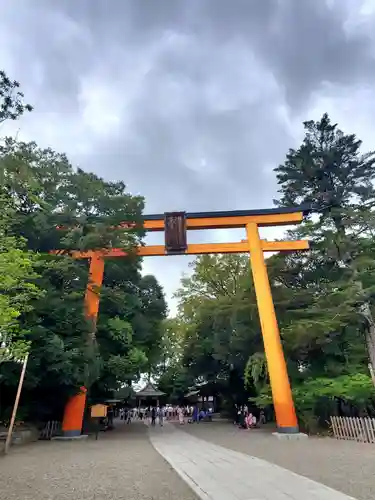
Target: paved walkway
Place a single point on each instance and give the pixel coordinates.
(217, 473)
(346, 466)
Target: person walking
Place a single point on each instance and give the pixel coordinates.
(262, 418)
(110, 416)
(195, 414)
(181, 417)
(153, 416)
(161, 416)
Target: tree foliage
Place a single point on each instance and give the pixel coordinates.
(17, 290)
(173, 378)
(218, 316)
(12, 104)
(330, 171)
(55, 206)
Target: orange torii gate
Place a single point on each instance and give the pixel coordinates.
(175, 226)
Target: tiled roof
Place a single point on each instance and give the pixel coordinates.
(149, 390)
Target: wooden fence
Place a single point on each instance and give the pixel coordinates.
(51, 429)
(354, 429)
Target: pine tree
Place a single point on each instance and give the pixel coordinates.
(331, 173)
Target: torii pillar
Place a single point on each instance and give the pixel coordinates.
(286, 417)
(75, 408)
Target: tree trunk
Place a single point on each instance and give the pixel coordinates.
(365, 308)
(370, 336)
(366, 313)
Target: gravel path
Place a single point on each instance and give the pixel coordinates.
(122, 464)
(343, 465)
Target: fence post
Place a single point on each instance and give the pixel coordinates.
(15, 407)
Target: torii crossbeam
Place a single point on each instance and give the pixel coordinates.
(175, 226)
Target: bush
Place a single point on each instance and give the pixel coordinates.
(317, 399)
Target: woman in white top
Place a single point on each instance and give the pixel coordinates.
(180, 413)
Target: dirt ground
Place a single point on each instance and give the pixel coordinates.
(122, 464)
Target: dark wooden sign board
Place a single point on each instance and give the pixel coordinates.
(175, 233)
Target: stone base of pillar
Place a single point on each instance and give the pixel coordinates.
(70, 438)
(295, 436)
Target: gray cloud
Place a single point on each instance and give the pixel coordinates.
(191, 103)
(302, 43)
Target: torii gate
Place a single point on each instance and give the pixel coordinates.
(175, 226)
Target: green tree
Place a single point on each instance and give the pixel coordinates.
(218, 310)
(129, 328)
(58, 207)
(16, 265)
(55, 206)
(330, 171)
(172, 342)
(17, 288)
(173, 378)
(12, 104)
(319, 329)
(324, 298)
(175, 381)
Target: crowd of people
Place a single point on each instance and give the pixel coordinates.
(153, 414)
(245, 418)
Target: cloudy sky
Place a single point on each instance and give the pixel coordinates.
(191, 102)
